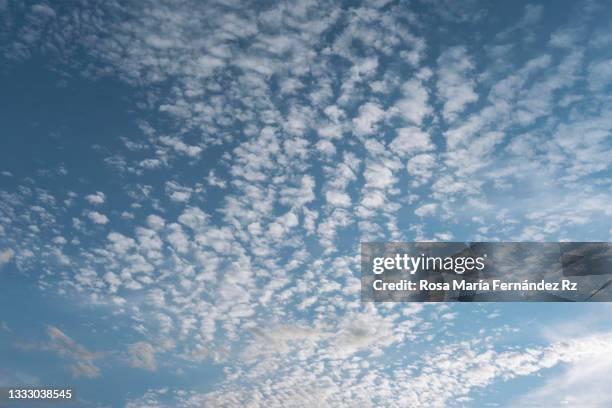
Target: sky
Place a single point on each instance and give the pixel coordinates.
(184, 186)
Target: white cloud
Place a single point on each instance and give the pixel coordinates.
(177, 238)
(600, 74)
(444, 236)
(180, 196)
(421, 168)
(97, 218)
(142, 355)
(426, 210)
(379, 175)
(213, 180)
(96, 198)
(81, 359)
(338, 199)
(455, 87)
(178, 192)
(282, 174)
(193, 218)
(181, 147)
(156, 222)
(581, 383)
(410, 140)
(44, 9)
(6, 255)
(326, 147)
(533, 14)
(414, 104)
(5, 327)
(370, 114)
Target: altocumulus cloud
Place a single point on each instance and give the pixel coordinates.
(266, 142)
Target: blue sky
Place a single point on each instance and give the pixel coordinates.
(184, 186)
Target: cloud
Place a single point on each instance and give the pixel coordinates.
(178, 192)
(421, 167)
(6, 255)
(5, 327)
(426, 210)
(370, 114)
(600, 74)
(582, 383)
(533, 13)
(97, 198)
(80, 359)
(439, 379)
(142, 355)
(338, 199)
(180, 146)
(269, 142)
(414, 103)
(44, 9)
(97, 218)
(156, 222)
(455, 87)
(411, 140)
